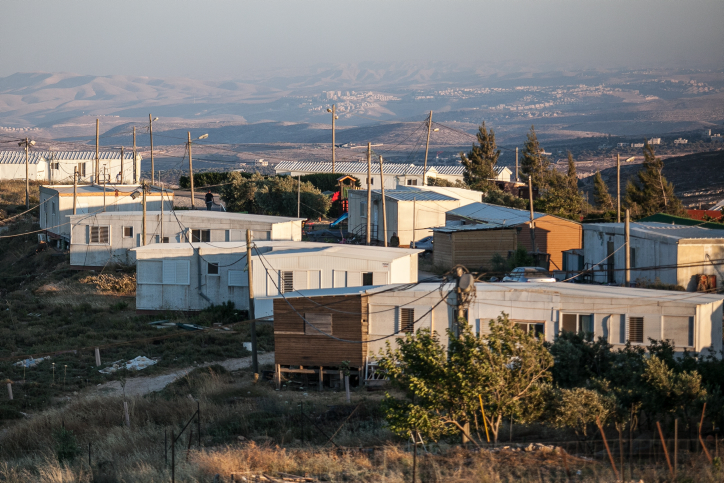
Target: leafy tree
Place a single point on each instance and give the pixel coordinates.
(326, 181)
(601, 195)
(432, 181)
(503, 198)
(650, 193)
(669, 392)
(507, 368)
(480, 162)
(534, 163)
(579, 358)
(273, 196)
(578, 409)
(519, 258)
(561, 196)
(66, 446)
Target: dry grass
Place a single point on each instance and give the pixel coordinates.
(123, 283)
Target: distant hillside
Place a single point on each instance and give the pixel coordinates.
(697, 178)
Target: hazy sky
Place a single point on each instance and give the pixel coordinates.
(234, 39)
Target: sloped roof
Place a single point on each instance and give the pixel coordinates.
(663, 230)
(361, 168)
(494, 214)
(414, 195)
(34, 157)
(680, 220)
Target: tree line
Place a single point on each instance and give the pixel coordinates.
(509, 374)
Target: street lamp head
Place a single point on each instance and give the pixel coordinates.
(336, 117)
(32, 143)
(436, 129)
(329, 110)
(155, 119)
(203, 136)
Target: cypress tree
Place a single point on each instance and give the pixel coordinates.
(601, 196)
(534, 163)
(649, 192)
(480, 162)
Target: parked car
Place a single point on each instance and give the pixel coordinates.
(423, 244)
(529, 274)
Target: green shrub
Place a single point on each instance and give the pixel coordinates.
(66, 446)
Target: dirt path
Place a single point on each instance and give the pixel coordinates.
(138, 386)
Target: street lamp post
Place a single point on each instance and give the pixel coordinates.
(333, 110)
(150, 131)
(191, 170)
(27, 143)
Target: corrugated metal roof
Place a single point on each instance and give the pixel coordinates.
(677, 232)
(361, 168)
(410, 195)
(477, 227)
(34, 157)
(185, 214)
(494, 214)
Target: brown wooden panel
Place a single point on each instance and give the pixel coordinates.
(553, 235)
(474, 249)
(349, 321)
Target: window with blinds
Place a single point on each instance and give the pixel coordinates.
(99, 234)
(636, 330)
(127, 232)
(201, 236)
(176, 272)
(407, 320)
(287, 284)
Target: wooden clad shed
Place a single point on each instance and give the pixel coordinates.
(308, 344)
(475, 232)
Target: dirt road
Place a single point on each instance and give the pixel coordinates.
(138, 386)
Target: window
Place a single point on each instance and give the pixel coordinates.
(633, 258)
(367, 278)
(99, 234)
(287, 282)
(535, 328)
(176, 272)
(81, 170)
(212, 268)
(411, 182)
(201, 236)
(407, 320)
(127, 232)
(317, 324)
(164, 240)
(636, 330)
(363, 209)
(680, 330)
(372, 181)
(55, 165)
(577, 323)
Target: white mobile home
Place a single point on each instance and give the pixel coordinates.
(193, 276)
(371, 315)
(56, 204)
(58, 166)
(411, 212)
(396, 174)
(674, 254)
(109, 236)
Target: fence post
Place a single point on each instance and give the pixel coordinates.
(701, 423)
(98, 357)
(10, 390)
(676, 446)
(603, 435)
(301, 418)
(663, 445)
(89, 454)
(173, 458)
(165, 447)
(198, 422)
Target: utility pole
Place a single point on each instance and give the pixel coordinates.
(98, 168)
(427, 148)
(384, 207)
(334, 118)
(191, 175)
(104, 188)
(161, 183)
(123, 177)
(143, 234)
(299, 193)
(532, 219)
(369, 191)
(75, 187)
(150, 131)
(252, 314)
(516, 165)
(27, 176)
(618, 188)
(135, 167)
(627, 241)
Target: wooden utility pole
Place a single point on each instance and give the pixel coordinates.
(627, 241)
(427, 148)
(98, 168)
(252, 314)
(159, 176)
(122, 173)
(618, 188)
(369, 191)
(516, 165)
(384, 207)
(299, 193)
(143, 234)
(75, 187)
(27, 176)
(104, 188)
(334, 118)
(191, 174)
(135, 167)
(532, 219)
(150, 131)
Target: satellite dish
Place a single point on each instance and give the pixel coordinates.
(466, 282)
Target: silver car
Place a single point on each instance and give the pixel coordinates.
(529, 274)
(423, 244)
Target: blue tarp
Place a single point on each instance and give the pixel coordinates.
(339, 220)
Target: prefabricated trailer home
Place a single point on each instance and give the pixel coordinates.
(192, 276)
(109, 236)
